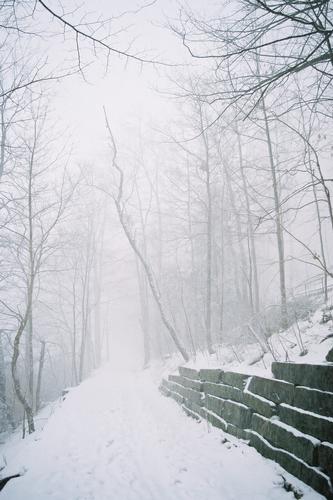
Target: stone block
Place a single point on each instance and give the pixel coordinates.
(195, 408)
(259, 404)
(184, 371)
(177, 397)
(235, 379)
(277, 391)
(164, 390)
(196, 385)
(191, 395)
(318, 376)
(307, 422)
(191, 413)
(236, 431)
(164, 383)
(309, 475)
(325, 458)
(237, 414)
(286, 437)
(172, 386)
(186, 393)
(329, 356)
(214, 404)
(314, 400)
(223, 391)
(211, 375)
(216, 421)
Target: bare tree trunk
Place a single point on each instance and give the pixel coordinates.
(222, 264)
(143, 288)
(40, 373)
(252, 252)
(29, 360)
(321, 241)
(3, 399)
(151, 281)
(16, 352)
(157, 321)
(192, 318)
(2, 371)
(209, 265)
(144, 306)
(85, 302)
(29, 333)
(6, 413)
(24, 321)
(241, 288)
(278, 223)
(118, 201)
(3, 138)
(206, 168)
(98, 286)
(74, 332)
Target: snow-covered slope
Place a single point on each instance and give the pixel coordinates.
(306, 341)
(116, 437)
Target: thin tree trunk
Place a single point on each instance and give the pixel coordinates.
(29, 361)
(209, 265)
(222, 265)
(143, 294)
(155, 292)
(6, 416)
(3, 139)
(206, 168)
(241, 288)
(252, 252)
(278, 224)
(16, 352)
(98, 285)
(74, 362)
(118, 201)
(143, 288)
(85, 303)
(40, 373)
(321, 241)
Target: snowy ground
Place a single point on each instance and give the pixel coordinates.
(306, 341)
(115, 437)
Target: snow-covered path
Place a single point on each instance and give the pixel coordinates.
(115, 437)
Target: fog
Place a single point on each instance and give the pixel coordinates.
(165, 186)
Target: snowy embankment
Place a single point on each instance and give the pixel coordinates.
(306, 341)
(115, 437)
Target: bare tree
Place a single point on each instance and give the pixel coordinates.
(26, 20)
(119, 203)
(293, 37)
(29, 242)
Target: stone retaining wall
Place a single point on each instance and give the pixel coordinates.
(288, 419)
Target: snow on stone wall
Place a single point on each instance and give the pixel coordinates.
(288, 419)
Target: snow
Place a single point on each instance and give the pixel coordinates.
(261, 398)
(311, 389)
(283, 346)
(116, 437)
(307, 412)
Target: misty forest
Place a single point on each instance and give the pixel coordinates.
(166, 229)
